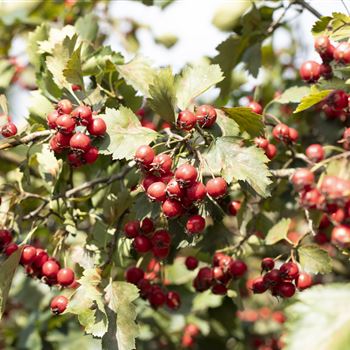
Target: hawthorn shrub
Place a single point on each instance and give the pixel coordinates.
(135, 213)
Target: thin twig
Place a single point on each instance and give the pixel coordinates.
(308, 7)
(25, 139)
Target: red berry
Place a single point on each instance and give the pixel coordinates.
(55, 146)
(91, 155)
(147, 225)
(206, 116)
(196, 192)
(134, 275)
(304, 281)
(64, 107)
(259, 286)
(82, 115)
(315, 152)
(272, 277)
(256, 107)
(338, 99)
(148, 124)
(52, 118)
(326, 71)
(281, 132)
(293, 135)
(59, 304)
(261, 142)
(174, 190)
(162, 163)
(144, 155)
(63, 139)
(65, 124)
(171, 208)
(74, 160)
(342, 53)
(192, 330)
(157, 191)
(286, 289)
(9, 130)
(195, 224)
(50, 269)
(76, 87)
(173, 300)
(145, 287)
(191, 263)
(156, 298)
(132, 229)
(80, 142)
(289, 271)
(324, 47)
(321, 238)
(271, 151)
(11, 248)
(310, 71)
(341, 236)
(233, 207)
(219, 289)
(217, 187)
(160, 253)
(186, 120)
(302, 178)
(28, 254)
(148, 180)
(97, 127)
(267, 264)
(5, 238)
(161, 239)
(237, 268)
(186, 175)
(65, 277)
(204, 279)
(142, 244)
(40, 258)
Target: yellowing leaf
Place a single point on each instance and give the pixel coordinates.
(278, 232)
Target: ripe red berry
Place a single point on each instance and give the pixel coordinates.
(162, 163)
(289, 271)
(191, 263)
(132, 229)
(142, 244)
(195, 224)
(281, 132)
(310, 71)
(11, 248)
(145, 287)
(157, 191)
(286, 289)
(304, 281)
(74, 160)
(321, 238)
(206, 116)
(174, 190)
(196, 192)
(338, 99)
(82, 115)
(134, 275)
(172, 208)
(237, 268)
(256, 107)
(293, 135)
(204, 279)
(63, 140)
(216, 187)
(271, 151)
(28, 255)
(80, 142)
(97, 127)
(173, 300)
(219, 289)
(341, 236)
(233, 207)
(315, 152)
(302, 178)
(65, 277)
(259, 286)
(272, 277)
(50, 269)
(65, 124)
(186, 175)
(147, 226)
(51, 119)
(156, 298)
(59, 304)
(9, 130)
(91, 155)
(40, 258)
(64, 107)
(326, 71)
(144, 155)
(5, 238)
(148, 180)
(186, 120)
(342, 53)
(55, 146)
(267, 264)
(261, 142)
(324, 47)
(161, 239)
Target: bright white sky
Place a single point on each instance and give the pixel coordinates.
(190, 21)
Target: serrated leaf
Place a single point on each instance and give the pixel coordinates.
(124, 133)
(321, 25)
(233, 162)
(39, 108)
(138, 73)
(7, 271)
(246, 119)
(162, 94)
(340, 25)
(73, 71)
(314, 259)
(252, 59)
(120, 297)
(195, 80)
(313, 98)
(278, 232)
(40, 34)
(293, 94)
(319, 320)
(87, 27)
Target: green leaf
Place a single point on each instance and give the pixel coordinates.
(7, 71)
(39, 108)
(320, 319)
(205, 300)
(39, 34)
(7, 271)
(120, 297)
(162, 93)
(293, 95)
(252, 59)
(278, 232)
(246, 119)
(321, 25)
(314, 259)
(340, 26)
(124, 133)
(247, 164)
(73, 71)
(313, 98)
(138, 73)
(195, 80)
(87, 27)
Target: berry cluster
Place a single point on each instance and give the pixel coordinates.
(269, 148)
(280, 281)
(204, 115)
(152, 292)
(219, 275)
(76, 128)
(38, 264)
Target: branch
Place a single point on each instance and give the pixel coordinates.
(283, 172)
(25, 139)
(308, 7)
